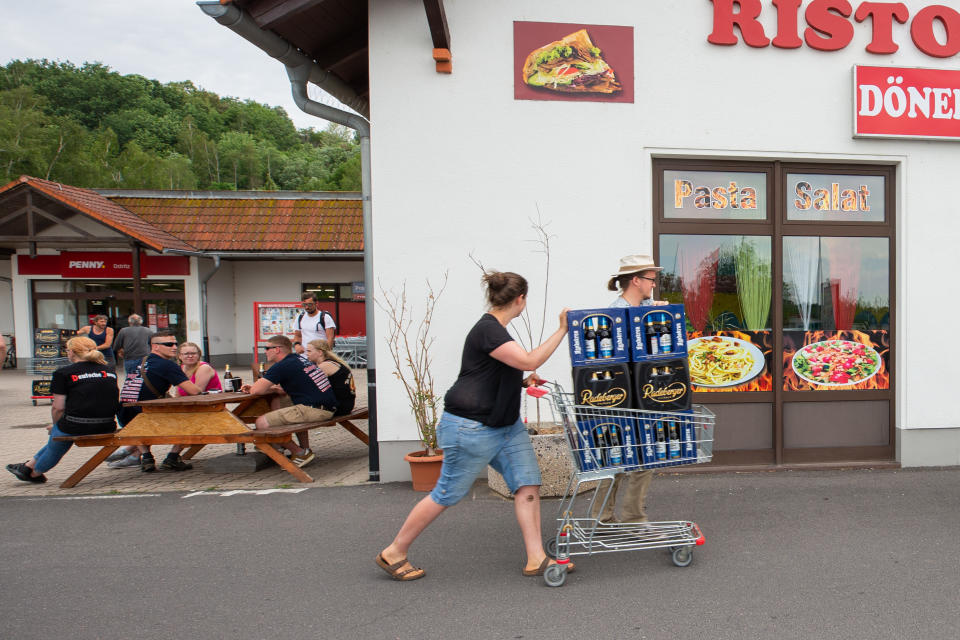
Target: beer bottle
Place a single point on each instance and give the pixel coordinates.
(593, 377)
(616, 453)
(607, 376)
(226, 373)
(661, 446)
(605, 339)
(261, 370)
(653, 340)
(666, 340)
(648, 439)
(590, 340)
(600, 441)
(674, 440)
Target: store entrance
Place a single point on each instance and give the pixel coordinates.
(71, 304)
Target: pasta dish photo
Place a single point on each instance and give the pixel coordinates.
(720, 361)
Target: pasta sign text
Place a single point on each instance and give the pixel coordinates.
(719, 197)
(832, 199)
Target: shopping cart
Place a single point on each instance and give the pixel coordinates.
(606, 442)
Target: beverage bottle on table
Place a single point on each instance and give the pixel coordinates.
(227, 378)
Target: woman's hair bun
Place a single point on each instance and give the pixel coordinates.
(503, 287)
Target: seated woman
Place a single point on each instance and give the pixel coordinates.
(85, 401)
(339, 374)
(200, 373)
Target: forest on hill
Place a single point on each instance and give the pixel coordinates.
(92, 127)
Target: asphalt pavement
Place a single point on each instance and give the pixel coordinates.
(827, 554)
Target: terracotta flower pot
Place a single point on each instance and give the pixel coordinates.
(424, 469)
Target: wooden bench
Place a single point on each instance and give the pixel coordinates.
(262, 439)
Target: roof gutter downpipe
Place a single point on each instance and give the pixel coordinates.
(238, 21)
(299, 76)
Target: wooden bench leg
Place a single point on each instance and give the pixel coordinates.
(284, 463)
(192, 451)
(352, 428)
(89, 466)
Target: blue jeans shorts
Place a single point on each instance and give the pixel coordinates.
(469, 446)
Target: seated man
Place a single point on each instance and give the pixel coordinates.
(309, 395)
(152, 380)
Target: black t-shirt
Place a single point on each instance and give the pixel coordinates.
(161, 373)
(92, 397)
(303, 381)
(486, 390)
(345, 390)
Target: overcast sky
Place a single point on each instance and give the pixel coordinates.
(169, 40)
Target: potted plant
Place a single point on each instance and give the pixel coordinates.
(410, 347)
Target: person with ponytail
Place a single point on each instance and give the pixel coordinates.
(481, 426)
(85, 400)
(338, 373)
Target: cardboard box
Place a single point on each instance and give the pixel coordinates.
(581, 352)
(639, 319)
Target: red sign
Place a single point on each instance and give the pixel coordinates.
(101, 264)
(896, 102)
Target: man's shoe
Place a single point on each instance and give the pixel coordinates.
(120, 454)
(22, 471)
(132, 460)
(303, 459)
(173, 462)
(147, 463)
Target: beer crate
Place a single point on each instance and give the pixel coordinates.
(586, 350)
(45, 350)
(46, 336)
(603, 386)
(607, 442)
(40, 388)
(669, 323)
(657, 450)
(661, 385)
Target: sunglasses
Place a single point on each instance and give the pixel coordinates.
(268, 348)
(166, 344)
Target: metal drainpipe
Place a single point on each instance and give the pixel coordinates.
(203, 308)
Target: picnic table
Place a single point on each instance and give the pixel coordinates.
(196, 421)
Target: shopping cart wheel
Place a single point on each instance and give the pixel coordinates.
(683, 556)
(555, 575)
(34, 403)
(551, 548)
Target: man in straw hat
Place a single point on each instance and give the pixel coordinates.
(635, 279)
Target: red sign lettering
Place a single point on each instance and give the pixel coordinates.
(894, 102)
(830, 25)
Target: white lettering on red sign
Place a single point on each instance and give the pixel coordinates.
(906, 102)
(86, 264)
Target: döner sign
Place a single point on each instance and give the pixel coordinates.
(900, 102)
(829, 25)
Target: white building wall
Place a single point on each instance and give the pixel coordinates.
(459, 167)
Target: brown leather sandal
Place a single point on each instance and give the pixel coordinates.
(543, 567)
(405, 575)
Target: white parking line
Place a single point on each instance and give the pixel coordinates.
(108, 497)
(243, 492)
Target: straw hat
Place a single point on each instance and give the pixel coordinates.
(630, 265)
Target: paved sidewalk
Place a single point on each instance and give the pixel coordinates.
(341, 458)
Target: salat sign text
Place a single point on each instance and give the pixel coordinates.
(895, 102)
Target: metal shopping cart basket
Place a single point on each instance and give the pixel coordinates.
(605, 443)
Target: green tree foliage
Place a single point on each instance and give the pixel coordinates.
(92, 127)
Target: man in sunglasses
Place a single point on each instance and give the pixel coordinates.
(157, 372)
(635, 279)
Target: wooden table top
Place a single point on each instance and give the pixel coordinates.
(202, 400)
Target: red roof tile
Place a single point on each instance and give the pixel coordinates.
(102, 209)
(260, 224)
